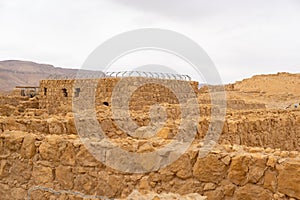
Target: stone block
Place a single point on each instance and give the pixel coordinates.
(209, 169)
(289, 178)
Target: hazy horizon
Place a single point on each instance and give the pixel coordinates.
(243, 38)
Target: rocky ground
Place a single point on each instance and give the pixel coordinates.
(256, 156)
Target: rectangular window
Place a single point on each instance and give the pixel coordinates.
(77, 91)
(23, 92)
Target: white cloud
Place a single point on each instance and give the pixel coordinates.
(242, 37)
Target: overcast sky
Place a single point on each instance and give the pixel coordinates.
(242, 38)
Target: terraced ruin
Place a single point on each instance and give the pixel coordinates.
(255, 157)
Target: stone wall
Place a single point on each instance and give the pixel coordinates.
(273, 129)
(47, 152)
(12, 105)
(40, 149)
(56, 95)
(62, 163)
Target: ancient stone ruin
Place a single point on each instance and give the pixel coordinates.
(42, 156)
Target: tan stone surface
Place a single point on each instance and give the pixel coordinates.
(239, 168)
(289, 178)
(252, 192)
(210, 177)
(257, 156)
(209, 169)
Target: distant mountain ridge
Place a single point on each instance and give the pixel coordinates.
(25, 73)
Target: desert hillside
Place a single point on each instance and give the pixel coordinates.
(49, 144)
(14, 72)
(275, 90)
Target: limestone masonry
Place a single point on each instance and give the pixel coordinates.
(256, 157)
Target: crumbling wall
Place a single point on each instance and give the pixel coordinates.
(14, 105)
(40, 147)
(257, 129)
(63, 163)
(57, 95)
